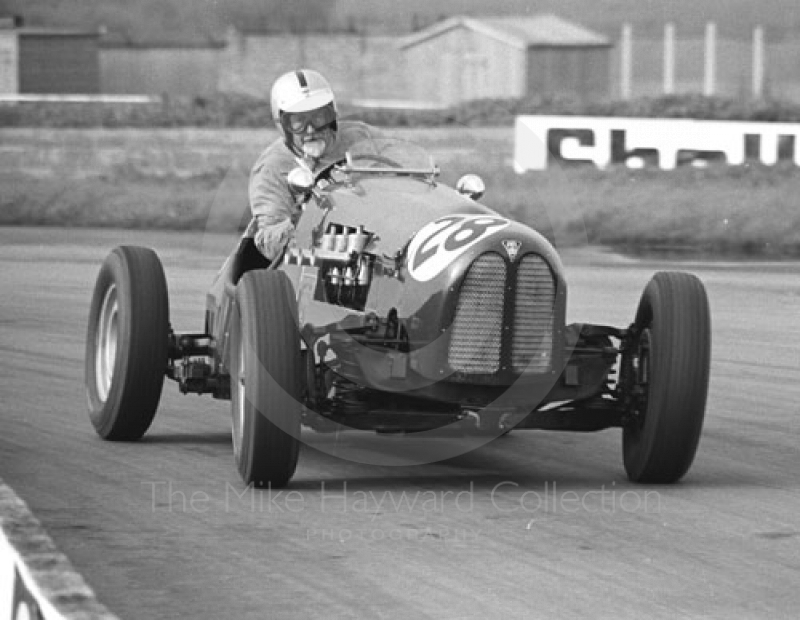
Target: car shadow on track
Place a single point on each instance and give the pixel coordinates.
(188, 438)
(500, 462)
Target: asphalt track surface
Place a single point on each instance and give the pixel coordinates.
(535, 524)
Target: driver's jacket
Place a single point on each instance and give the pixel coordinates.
(275, 209)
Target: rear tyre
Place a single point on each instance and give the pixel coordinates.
(127, 343)
(266, 379)
(669, 368)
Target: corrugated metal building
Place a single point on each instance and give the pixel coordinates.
(48, 61)
(464, 58)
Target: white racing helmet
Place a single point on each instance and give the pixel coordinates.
(302, 91)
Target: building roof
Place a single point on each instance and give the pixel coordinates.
(521, 32)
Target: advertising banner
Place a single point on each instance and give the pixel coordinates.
(541, 142)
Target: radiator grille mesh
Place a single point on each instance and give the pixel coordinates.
(532, 344)
(475, 341)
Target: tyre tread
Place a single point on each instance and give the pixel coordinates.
(675, 306)
(269, 316)
(143, 349)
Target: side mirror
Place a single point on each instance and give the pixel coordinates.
(471, 186)
(301, 181)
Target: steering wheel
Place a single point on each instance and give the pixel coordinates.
(325, 173)
(380, 159)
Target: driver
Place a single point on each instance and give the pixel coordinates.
(304, 111)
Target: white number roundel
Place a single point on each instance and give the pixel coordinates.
(439, 243)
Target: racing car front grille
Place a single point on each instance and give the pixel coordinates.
(477, 342)
(532, 332)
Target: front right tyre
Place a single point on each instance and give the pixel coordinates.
(127, 343)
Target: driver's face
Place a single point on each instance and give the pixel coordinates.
(314, 143)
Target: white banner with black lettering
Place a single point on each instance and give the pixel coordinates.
(544, 141)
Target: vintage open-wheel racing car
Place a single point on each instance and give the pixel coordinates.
(404, 306)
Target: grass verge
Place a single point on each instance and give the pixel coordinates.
(747, 210)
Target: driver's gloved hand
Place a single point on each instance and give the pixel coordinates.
(271, 239)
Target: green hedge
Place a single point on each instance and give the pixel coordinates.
(240, 111)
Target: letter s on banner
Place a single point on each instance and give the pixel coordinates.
(556, 139)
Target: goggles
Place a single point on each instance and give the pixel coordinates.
(298, 122)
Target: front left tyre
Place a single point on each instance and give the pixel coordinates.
(669, 366)
(127, 343)
(266, 378)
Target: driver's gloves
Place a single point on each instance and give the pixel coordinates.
(271, 238)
